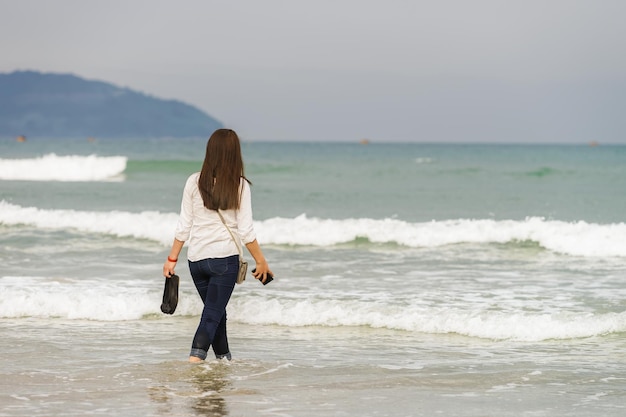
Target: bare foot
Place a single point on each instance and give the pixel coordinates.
(195, 359)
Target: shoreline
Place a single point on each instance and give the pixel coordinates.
(139, 368)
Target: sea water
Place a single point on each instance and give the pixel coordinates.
(411, 279)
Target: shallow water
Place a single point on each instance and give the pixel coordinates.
(301, 372)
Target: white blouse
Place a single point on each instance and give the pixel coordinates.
(202, 228)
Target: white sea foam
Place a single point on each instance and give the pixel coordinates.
(107, 300)
(52, 167)
(576, 238)
(570, 238)
(474, 322)
(150, 225)
(89, 299)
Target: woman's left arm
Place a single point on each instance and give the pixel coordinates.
(183, 228)
(172, 258)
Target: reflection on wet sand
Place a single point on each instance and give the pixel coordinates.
(210, 382)
(198, 387)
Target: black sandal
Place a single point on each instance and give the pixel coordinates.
(170, 295)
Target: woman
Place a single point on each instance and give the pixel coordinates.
(212, 254)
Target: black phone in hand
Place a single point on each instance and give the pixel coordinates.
(268, 277)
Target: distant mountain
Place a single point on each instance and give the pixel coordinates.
(63, 105)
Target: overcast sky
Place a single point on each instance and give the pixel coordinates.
(388, 70)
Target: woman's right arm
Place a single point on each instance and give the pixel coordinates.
(262, 268)
(247, 233)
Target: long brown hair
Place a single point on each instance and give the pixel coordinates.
(222, 171)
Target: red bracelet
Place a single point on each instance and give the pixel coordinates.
(172, 260)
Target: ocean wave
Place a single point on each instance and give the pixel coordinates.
(495, 325)
(569, 238)
(76, 299)
(63, 168)
(106, 300)
(151, 225)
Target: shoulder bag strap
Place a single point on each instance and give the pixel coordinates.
(231, 234)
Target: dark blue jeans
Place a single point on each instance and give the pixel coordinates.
(214, 279)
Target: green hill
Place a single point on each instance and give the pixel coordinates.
(48, 105)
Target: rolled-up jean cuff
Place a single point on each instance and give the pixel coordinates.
(198, 353)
